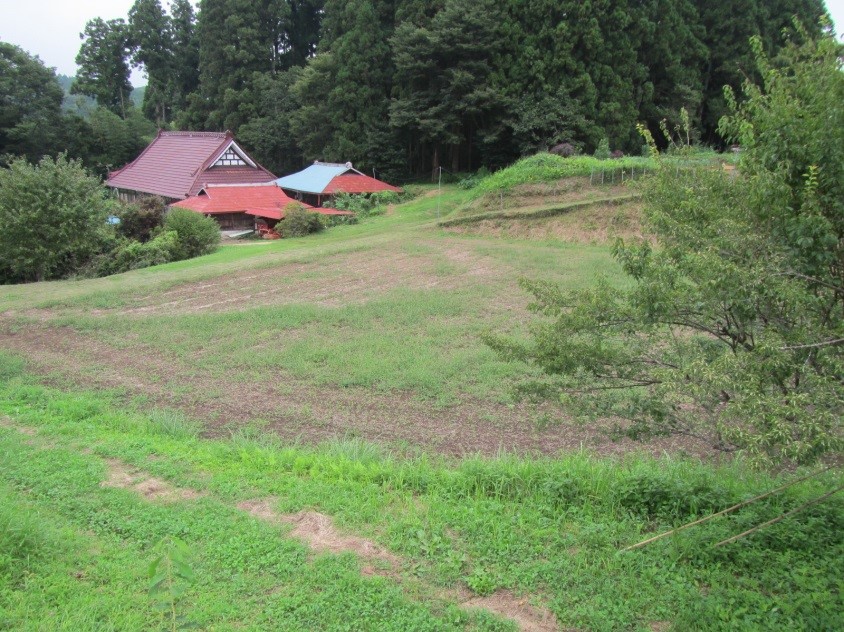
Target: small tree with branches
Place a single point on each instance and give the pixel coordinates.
(732, 328)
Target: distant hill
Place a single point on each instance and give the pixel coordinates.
(84, 105)
(137, 96)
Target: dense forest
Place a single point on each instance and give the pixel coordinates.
(398, 86)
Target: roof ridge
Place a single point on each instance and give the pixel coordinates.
(347, 165)
(243, 184)
(199, 134)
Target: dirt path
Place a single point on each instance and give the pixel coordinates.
(311, 413)
(319, 532)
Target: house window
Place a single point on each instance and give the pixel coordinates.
(230, 159)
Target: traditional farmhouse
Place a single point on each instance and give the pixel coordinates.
(177, 165)
(243, 208)
(319, 182)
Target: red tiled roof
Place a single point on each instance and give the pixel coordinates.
(357, 183)
(261, 200)
(176, 165)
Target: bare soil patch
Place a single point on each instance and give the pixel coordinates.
(6, 422)
(311, 414)
(121, 476)
(529, 618)
(321, 535)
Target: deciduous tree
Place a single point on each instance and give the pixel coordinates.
(733, 327)
(30, 104)
(52, 219)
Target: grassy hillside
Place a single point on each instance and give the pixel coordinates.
(342, 325)
(309, 434)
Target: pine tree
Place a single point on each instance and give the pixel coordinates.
(185, 52)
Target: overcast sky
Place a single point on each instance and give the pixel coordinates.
(51, 28)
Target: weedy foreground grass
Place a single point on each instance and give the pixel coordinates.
(74, 553)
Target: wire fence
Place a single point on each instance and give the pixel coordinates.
(613, 176)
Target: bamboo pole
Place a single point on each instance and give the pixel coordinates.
(778, 518)
(723, 511)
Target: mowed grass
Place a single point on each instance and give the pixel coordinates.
(73, 554)
(417, 330)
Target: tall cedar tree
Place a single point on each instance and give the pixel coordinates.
(238, 41)
(672, 51)
(554, 98)
(356, 70)
(448, 104)
(185, 46)
(407, 85)
(151, 37)
(231, 51)
(103, 66)
(268, 135)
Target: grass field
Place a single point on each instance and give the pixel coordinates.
(317, 421)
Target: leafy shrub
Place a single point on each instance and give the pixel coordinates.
(410, 192)
(139, 220)
(329, 221)
(470, 182)
(299, 222)
(603, 150)
(655, 496)
(134, 255)
(364, 206)
(197, 235)
(52, 219)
